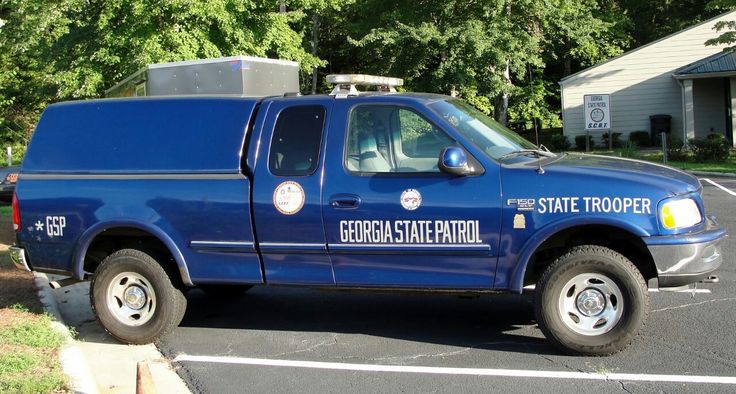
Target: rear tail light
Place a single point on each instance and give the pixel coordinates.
(16, 213)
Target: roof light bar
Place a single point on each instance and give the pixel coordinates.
(345, 83)
(362, 79)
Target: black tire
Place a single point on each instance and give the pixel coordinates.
(225, 291)
(576, 286)
(133, 272)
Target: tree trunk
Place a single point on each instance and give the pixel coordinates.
(501, 107)
(315, 43)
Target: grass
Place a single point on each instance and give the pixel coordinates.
(34, 384)
(6, 210)
(29, 344)
(728, 166)
(36, 333)
(18, 362)
(29, 353)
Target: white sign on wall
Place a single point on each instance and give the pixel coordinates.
(597, 109)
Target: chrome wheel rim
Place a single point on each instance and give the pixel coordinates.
(591, 304)
(131, 299)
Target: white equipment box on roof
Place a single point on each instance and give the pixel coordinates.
(236, 75)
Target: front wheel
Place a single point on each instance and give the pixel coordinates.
(591, 301)
(134, 298)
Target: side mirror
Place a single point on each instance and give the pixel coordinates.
(453, 160)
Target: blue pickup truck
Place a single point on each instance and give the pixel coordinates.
(150, 197)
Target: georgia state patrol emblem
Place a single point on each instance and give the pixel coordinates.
(288, 197)
(411, 199)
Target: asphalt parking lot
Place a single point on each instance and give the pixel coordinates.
(296, 340)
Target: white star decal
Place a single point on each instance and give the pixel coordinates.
(39, 226)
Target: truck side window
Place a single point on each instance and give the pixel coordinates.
(296, 140)
(393, 139)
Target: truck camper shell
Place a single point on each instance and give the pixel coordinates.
(235, 75)
(201, 135)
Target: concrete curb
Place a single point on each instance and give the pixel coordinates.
(95, 362)
(70, 356)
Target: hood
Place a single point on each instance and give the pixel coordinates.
(674, 181)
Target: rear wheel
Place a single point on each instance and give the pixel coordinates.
(134, 298)
(591, 301)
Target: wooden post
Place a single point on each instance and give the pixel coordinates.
(664, 147)
(144, 380)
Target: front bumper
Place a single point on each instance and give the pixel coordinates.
(18, 256)
(687, 258)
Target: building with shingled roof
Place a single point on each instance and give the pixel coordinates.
(677, 76)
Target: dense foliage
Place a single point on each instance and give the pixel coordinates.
(727, 28)
(713, 148)
(503, 56)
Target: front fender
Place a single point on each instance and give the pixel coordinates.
(93, 231)
(516, 281)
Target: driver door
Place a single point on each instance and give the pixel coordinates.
(392, 219)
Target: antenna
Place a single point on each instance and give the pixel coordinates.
(540, 170)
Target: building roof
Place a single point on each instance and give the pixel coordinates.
(719, 64)
(577, 74)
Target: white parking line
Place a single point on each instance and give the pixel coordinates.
(686, 291)
(725, 189)
(513, 373)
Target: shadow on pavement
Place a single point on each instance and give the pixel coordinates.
(497, 322)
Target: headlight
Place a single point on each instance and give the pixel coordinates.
(679, 214)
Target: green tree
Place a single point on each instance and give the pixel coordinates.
(652, 20)
(469, 48)
(317, 11)
(503, 56)
(53, 50)
(26, 76)
(575, 34)
(728, 36)
(132, 33)
(480, 50)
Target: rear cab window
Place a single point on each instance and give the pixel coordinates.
(296, 141)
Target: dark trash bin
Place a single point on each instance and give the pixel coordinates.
(659, 124)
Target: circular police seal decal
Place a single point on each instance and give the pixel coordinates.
(288, 198)
(411, 199)
(597, 115)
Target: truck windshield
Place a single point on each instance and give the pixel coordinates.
(493, 138)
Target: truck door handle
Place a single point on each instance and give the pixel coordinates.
(345, 201)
